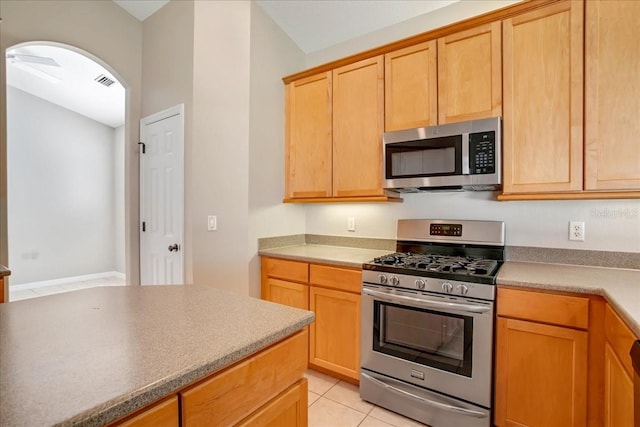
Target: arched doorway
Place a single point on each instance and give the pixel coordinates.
(66, 169)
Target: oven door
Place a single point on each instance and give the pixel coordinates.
(438, 342)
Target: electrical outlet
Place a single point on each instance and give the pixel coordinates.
(351, 223)
(576, 230)
(212, 223)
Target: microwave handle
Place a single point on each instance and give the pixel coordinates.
(466, 170)
(420, 302)
(439, 405)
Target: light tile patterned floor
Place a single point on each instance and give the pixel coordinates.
(335, 403)
(15, 295)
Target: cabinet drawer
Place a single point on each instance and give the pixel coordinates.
(337, 278)
(619, 337)
(563, 310)
(232, 394)
(161, 414)
(288, 409)
(283, 269)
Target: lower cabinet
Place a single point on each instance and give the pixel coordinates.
(618, 372)
(541, 368)
(161, 414)
(333, 294)
(561, 360)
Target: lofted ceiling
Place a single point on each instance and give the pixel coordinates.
(312, 24)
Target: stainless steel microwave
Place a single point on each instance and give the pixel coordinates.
(456, 156)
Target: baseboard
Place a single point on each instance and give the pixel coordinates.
(65, 280)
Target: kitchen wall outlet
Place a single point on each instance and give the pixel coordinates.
(576, 230)
(351, 223)
(212, 223)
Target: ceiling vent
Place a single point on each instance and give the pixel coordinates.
(104, 80)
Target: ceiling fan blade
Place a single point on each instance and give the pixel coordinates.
(43, 60)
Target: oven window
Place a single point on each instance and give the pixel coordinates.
(431, 338)
(423, 158)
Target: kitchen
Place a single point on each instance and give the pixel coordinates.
(243, 188)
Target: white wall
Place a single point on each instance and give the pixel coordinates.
(610, 225)
(110, 34)
(273, 55)
(60, 192)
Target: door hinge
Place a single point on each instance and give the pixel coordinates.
(144, 226)
(144, 147)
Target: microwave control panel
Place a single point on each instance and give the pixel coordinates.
(482, 153)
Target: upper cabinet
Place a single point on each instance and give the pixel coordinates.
(542, 139)
(612, 95)
(563, 62)
(357, 128)
(561, 73)
(411, 87)
(470, 74)
(454, 78)
(308, 137)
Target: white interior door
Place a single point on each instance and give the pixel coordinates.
(162, 197)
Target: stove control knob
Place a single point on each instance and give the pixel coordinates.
(420, 284)
(394, 280)
(382, 279)
(462, 289)
(447, 287)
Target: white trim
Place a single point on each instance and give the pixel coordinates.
(65, 280)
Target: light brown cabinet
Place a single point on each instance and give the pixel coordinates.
(470, 74)
(162, 414)
(454, 78)
(612, 95)
(334, 338)
(333, 140)
(618, 372)
(333, 294)
(550, 152)
(308, 137)
(541, 368)
(358, 124)
(543, 87)
(411, 87)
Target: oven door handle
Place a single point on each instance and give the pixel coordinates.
(420, 302)
(439, 405)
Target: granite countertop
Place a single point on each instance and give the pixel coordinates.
(91, 356)
(4, 271)
(336, 255)
(621, 287)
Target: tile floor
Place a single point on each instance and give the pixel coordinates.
(335, 403)
(15, 295)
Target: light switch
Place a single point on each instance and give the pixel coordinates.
(212, 223)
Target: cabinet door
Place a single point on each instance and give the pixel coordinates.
(358, 124)
(470, 74)
(612, 95)
(288, 409)
(334, 341)
(308, 137)
(541, 375)
(287, 293)
(410, 87)
(543, 77)
(618, 392)
(162, 414)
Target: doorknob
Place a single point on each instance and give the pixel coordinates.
(174, 247)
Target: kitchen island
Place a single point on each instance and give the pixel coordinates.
(93, 356)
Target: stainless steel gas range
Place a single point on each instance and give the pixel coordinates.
(427, 322)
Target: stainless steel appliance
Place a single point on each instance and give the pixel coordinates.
(456, 156)
(427, 322)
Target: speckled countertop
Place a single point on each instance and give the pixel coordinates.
(336, 255)
(621, 287)
(89, 357)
